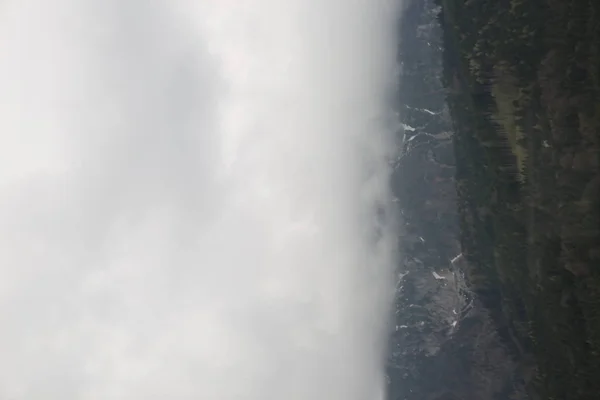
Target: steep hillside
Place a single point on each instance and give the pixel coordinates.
(445, 343)
(523, 94)
(500, 163)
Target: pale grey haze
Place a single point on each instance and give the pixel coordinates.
(188, 197)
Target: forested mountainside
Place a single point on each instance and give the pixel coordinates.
(498, 180)
(445, 342)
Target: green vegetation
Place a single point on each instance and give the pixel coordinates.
(523, 89)
(507, 96)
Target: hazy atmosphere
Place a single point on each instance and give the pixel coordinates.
(194, 199)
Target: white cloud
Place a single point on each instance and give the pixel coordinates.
(187, 199)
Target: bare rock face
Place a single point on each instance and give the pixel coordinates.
(444, 342)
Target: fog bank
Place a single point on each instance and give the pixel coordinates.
(194, 199)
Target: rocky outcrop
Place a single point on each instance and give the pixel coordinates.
(443, 344)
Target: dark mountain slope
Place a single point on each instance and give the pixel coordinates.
(524, 98)
(445, 344)
(500, 162)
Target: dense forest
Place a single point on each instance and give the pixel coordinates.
(498, 180)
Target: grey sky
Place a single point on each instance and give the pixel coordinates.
(187, 192)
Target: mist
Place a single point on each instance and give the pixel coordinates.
(194, 199)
